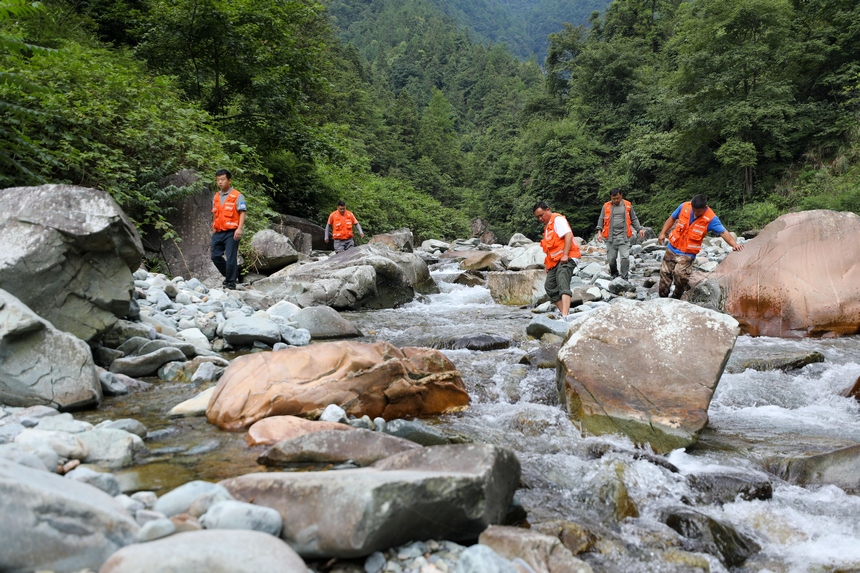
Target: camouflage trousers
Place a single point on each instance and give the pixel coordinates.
(677, 269)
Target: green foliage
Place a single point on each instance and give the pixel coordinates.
(111, 126)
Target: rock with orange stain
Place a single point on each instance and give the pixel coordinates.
(270, 431)
(378, 379)
(799, 277)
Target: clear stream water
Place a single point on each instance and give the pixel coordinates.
(754, 416)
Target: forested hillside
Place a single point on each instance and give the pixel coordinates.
(415, 121)
(523, 25)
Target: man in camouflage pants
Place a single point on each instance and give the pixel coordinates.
(691, 221)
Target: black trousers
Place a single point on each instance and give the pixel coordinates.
(225, 255)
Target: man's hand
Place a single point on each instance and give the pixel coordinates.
(361, 235)
(661, 237)
(237, 234)
(326, 241)
(599, 238)
(641, 233)
(738, 247)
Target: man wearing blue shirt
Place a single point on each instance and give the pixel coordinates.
(692, 221)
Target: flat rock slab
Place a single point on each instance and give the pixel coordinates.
(270, 431)
(839, 467)
(378, 380)
(517, 288)
(363, 447)
(212, 551)
(58, 524)
(764, 361)
(646, 370)
(441, 492)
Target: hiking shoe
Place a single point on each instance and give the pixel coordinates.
(230, 285)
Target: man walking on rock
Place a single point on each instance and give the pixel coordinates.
(339, 226)
(615, 225)
(692, 221)
(228, 218)
(562, 252)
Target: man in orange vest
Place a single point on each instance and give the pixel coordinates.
(615, 225)
(228, 219)
(692, 221)
(562, 252)
(339, 227)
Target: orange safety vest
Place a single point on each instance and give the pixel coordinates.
(341, 225)
(687, 237)
(553, 245)
(607, 213)
(226, 215)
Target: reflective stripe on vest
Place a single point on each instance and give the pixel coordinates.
(226, 215)
(687, 237)
(553, 245)
(607, 213)
(341, 225)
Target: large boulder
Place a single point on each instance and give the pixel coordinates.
(213, 551)
(373, 379)
(40, 364)
(797, 278)
(272, 251)
(517, 288)
(543, 553)
(399, 240)
(58, 524)
(441, 492)
(69, 255)
(369, 276)
(661, 397)
(324, 322)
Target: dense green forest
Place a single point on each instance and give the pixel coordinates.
(417, 121)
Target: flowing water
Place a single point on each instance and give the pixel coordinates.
(754, 417)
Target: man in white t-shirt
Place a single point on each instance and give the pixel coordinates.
(562, 252)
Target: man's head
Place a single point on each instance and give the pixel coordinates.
(341, 206)
(615, 196)
(223, 179)
(542, 212)
(699, 204)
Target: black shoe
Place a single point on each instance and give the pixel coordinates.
(230, 285)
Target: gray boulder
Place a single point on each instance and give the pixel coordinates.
(272, 250)
(482, 559)
(369, 276)
(530, 256)
(182, 498)
(245, 330)
(213, 551)
(146, 364)
(106, 482)
(73, 255)
(324, 322)
(58, 524)
(542, 324)
(231, 514)
(443, 492)
(110, 448)
(41, 365)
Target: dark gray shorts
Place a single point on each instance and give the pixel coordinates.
(558, 280)
(341, 246)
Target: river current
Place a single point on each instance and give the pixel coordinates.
(754, 417)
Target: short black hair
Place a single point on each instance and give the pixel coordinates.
(699, 202)
(540, 205)
(615, 191)
(341, 203)
(224, 172)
